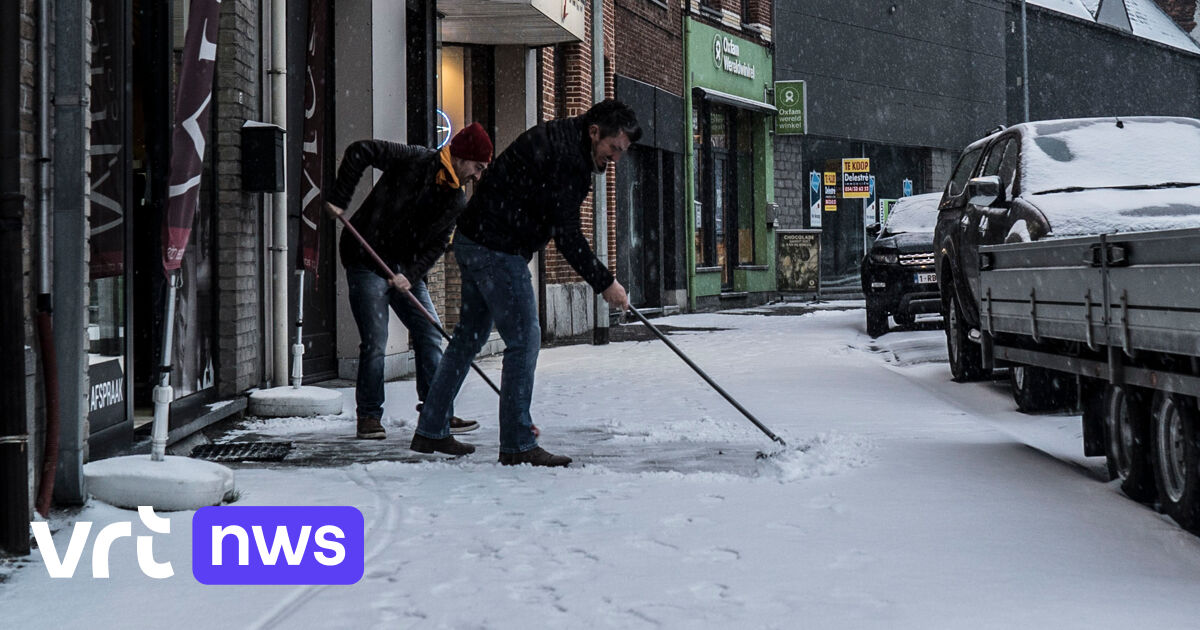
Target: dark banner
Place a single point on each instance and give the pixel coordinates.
(109, 195)
(188, 140)
(314, 138)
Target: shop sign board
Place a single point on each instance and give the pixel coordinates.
(791, 100)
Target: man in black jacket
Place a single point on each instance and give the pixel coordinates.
(407, 219)
(531, 194)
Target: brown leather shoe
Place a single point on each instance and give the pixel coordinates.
(536, 456)
(447, 445)
(370, 429)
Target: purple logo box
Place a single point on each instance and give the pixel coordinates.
(277, 545)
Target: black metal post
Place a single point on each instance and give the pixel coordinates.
(14, 439)
(708, 379)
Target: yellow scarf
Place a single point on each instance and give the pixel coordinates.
(447, 176)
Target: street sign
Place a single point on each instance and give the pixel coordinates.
(791, 101)
(814, 199)
(907, 188)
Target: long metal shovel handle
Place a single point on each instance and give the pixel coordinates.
(658, 333)
(411, 298)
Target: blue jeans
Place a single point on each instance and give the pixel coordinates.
(496, 287)
(370, 296)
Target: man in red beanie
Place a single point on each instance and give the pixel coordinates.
(407, 219)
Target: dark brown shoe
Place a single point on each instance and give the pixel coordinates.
(458, 425)
(447, 445)
(370, 429)
(536, 456)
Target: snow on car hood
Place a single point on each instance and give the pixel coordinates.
(1105, 211)
(909, 242)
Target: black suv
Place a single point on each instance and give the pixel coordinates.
(897, 273)
(1044, 179)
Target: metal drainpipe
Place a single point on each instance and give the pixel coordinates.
(45, 304)
(1025, 60)
(279, 242)
(69, 273)
(600, 204)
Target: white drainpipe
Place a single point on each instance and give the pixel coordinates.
(279, 238)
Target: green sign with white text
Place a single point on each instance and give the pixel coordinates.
(791, 102)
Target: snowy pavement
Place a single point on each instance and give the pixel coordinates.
(904, 501)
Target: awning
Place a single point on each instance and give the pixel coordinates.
(734, 101)
(512, 22)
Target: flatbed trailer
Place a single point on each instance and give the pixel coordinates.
(1121, 313)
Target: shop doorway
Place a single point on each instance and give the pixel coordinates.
(646, 196)
(155, 41)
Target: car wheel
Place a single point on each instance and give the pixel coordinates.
(1039, 389)
(966, 357)
(904, 320)
(877, 324)
(1176, 440)
(1127, 440)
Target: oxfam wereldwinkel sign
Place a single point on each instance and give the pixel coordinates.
(726, 53)
(726, 63)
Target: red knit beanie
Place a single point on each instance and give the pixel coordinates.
(472, 143)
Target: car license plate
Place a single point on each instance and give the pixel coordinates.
(926, 278)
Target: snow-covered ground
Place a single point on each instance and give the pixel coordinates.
(903, 501)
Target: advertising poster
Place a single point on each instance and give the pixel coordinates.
(799, 260)
(856, 178)
(814, 199)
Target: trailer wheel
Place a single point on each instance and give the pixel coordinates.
(877, 319)
(1176, 453)
(1127, 436)
(1040, 389)
(966, 358)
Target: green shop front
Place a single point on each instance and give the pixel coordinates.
(730, 169)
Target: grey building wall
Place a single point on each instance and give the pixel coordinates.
(906, 72)
(1080, 69)
(791, 182)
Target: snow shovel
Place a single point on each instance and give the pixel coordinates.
(411, 298)
(708, 379)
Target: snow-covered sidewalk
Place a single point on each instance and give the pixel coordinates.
(905, 501)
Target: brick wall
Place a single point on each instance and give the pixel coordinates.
(650, 43)
(578, 94)
(727, 15)
(28, 121)
(237, 94)
(28, 156)
(1184, 12)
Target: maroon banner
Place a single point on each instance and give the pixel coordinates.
(192, 98)
(106, 221)
(311, 162)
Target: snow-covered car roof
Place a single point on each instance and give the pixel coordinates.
(1096, 175)
(1108, 153)
(916, 213)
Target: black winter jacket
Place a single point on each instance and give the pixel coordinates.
(407, 218)
(532, 193)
